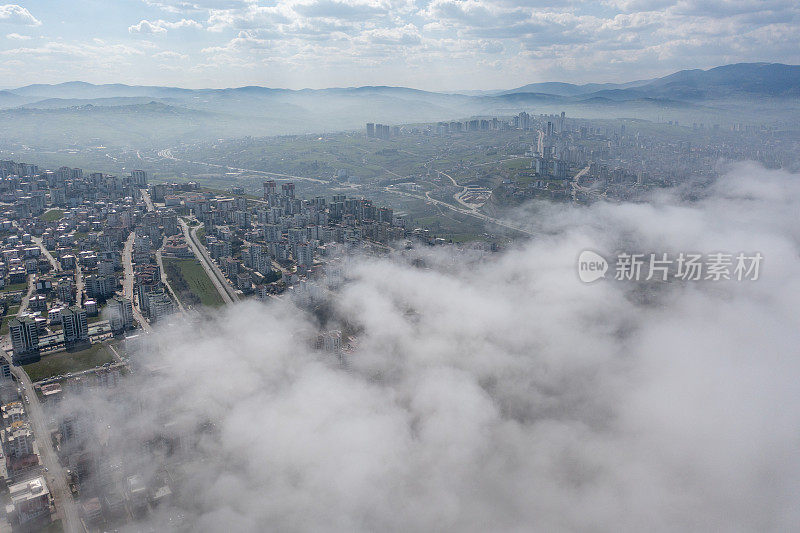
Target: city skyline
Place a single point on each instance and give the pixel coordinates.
(439, 45)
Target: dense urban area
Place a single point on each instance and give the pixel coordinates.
(362, 266)
(92, 262)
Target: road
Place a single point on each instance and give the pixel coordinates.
(56, 477)
(78, 283)
(127, 283)
(583, 171)
(56, 265)
(458, 195)
(577, 188)
(167, 154)
(23, 304)
(214, 273)
(147, 200)
(468, 212)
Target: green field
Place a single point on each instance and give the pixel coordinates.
(66, 362)
(12, 287)
(11, 313)
(52, 215)
(4, 325)
(517, 164)
(191, 283)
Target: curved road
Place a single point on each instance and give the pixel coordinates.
(167, 154)
(468, 212)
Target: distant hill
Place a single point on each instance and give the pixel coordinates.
(754, 79)
(85, 91)
(738, 80)
(61, 103)
(10, 99)
(745, 79)
(570, 89)
(131, 115)
(124, 125)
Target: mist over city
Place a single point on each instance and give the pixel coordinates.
(415, 265)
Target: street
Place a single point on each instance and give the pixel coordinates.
(56, 265)
(56, 477)
(127, 283)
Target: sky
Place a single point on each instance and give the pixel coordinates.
(495, 392)
(427, 44)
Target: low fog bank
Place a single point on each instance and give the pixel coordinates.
(494, 392)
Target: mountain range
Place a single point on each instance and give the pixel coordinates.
(130, 115)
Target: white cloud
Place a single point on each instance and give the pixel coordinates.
(18, 37)
(161, 26)
(524, 40)
(407, 35)
(145, 26)
(181, 6)
(183, 23)
(81, 59)
(496, 392)
(249, 18)
(169, 55)
(15, 14)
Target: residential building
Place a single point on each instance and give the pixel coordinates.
(24, 339)
(76, 326)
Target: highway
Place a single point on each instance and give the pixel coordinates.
(214, 273)
(167, 154)
(458, 195)
(577, 188)
(468, 212)
(56, 477)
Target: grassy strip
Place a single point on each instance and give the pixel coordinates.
(13, 287)
(191, 284)
(4, 325)
(52, 215)
(69, 361)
